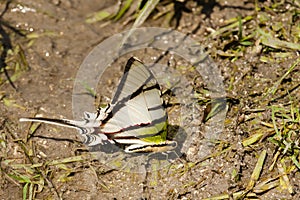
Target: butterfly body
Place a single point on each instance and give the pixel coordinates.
(136, 117)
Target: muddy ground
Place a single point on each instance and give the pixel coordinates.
(55, 39)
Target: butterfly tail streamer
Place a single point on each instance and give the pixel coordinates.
(88, 128)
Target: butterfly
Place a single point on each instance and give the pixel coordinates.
(136, 118)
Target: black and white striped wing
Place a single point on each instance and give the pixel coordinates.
(88, 127)
(137, 107)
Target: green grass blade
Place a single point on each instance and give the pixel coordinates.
(24, 192)
(145, 12)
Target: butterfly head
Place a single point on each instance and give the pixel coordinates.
(100, 115)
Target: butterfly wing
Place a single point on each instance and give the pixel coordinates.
(88, 127)
(137, 107)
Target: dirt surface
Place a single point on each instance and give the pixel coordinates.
(57, 39)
